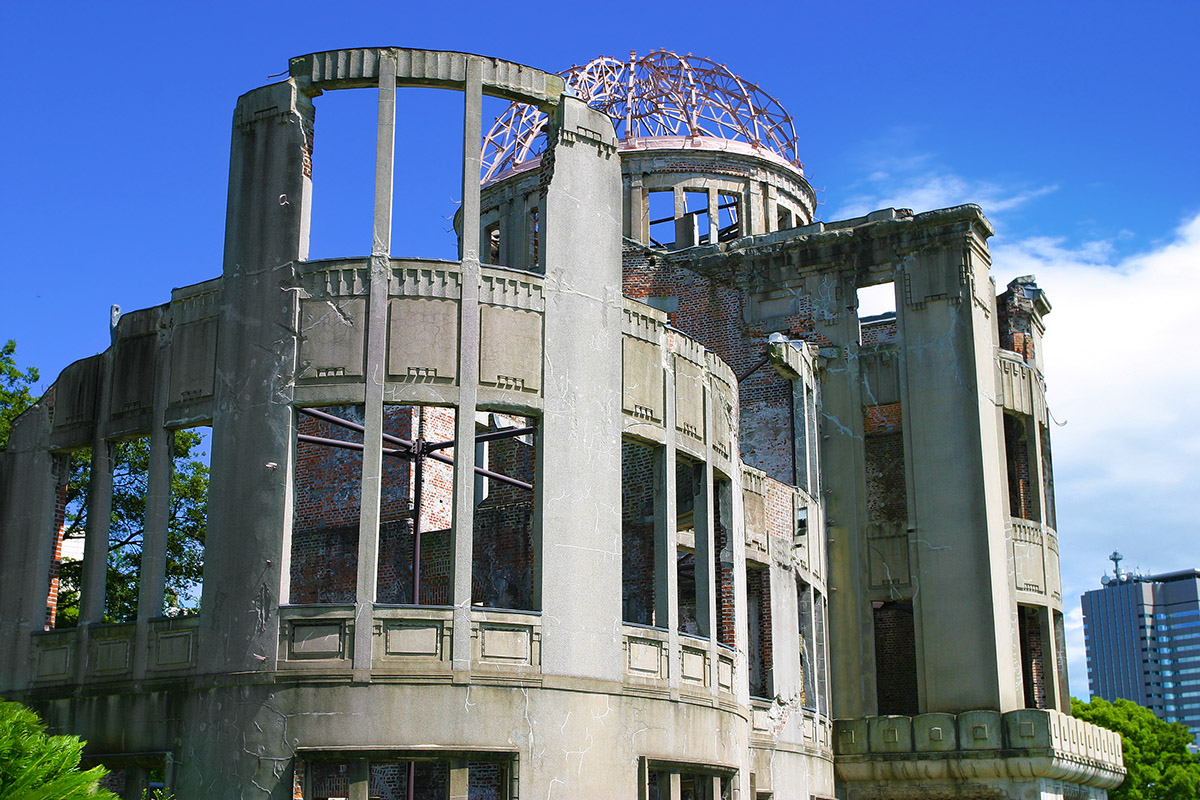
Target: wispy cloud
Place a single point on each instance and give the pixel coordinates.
(898, 177)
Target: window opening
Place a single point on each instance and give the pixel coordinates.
(428, 163)
(490, 252)
(895, 658)
(73, 473)
(696, 219)
(723, 555)
(637, 533)
(187, 523)
(535, 238)
(416, 502)
(661, 207)
(1033, 643)
(804, 613)
(877, 314)
(503, 553)
(783, 218)
(328, 493)
(343, 173)
(1016, 450)
(758, 606)
(728, 217)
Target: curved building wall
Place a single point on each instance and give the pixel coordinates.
(268, 694)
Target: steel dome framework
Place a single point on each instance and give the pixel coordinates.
(659, 95)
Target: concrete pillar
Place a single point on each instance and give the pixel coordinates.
(253, 438)
(360, 768)
(153, 570)
(460, 785)
(99, 509)
(714, 216)
(27, 502)
(581, 463)
(468, 371)
(376, 355)
(959, 506)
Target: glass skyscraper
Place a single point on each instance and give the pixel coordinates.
(1143, 642)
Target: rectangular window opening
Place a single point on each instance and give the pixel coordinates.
(805, 623)
(187, 521)
(696, 214)
(503, 564)
(343, 173)
(729, 217)
(637, 533)
(416, 495)
(1033, 643)
(877, 314)
(328, 491)
(723, 555)
(427, 188)
(73, 473)
(895, 658)
(758, 607)
(661, 208)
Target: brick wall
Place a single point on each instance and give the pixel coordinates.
(503, 560)
(61, 467)
(895, 658)
(884, 466)
(637, 533)
(758, 598)
(710, 310)
(1033, 660)
(1016, 453)
(881, 332)
(1014, 321)
(726, 621)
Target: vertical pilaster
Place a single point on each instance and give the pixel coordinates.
(153, 570)
(468, 371)
(714, 216)
(99, 509)
(705, 533)
(376, 354)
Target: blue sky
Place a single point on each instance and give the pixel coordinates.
(1073, 125)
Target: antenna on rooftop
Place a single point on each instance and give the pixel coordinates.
(1116, 558)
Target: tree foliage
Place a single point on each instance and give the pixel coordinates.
(37, 766)
(1156, 755)
(186, 525)
(14, 389)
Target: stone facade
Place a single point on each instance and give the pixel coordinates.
(716, 537)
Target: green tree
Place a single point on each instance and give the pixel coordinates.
(37, 766)
(14, 389)
(1156, 755)
(186, 525)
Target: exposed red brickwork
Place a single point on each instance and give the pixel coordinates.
(886, 418)
(61, 468)
(328, 496)
(1033, 661)
(758, 601)
(895, 658)
(637, 533)
(781, 514)
(711, 312)
(1016, 452)
(726, 610)
(298, 779)
(503, 556)
(485, 781)
(881, 332)
(1015, 322)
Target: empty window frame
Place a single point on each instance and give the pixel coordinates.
(660, 205)
(666, 781)
(187, 521)
(1035, 644)
(503, 566)
(382, 778)
(73, 478)
(729, 217)
(687, 571)
(638, 570)
(416, 502)
(343, 173)
(723, 557)
(808, 646)
(895, 658)
(1022, 499)
(758, 627)
(877, 314)
(327, 482)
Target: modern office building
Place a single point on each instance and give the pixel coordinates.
(630, 500)
(1142, 634)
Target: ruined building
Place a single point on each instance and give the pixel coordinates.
(629, 501)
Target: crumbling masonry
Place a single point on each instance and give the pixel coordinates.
(622, 503)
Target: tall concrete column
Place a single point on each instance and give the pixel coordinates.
(376, 355)
(959, 507)
(153, 570)
(581, 461)
(463, 525)
(99, 510)
(253, 439)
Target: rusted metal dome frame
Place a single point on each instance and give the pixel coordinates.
(657, 96)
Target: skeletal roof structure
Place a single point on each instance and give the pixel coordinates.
(661, 95)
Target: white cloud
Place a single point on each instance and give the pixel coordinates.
(1124, 380)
